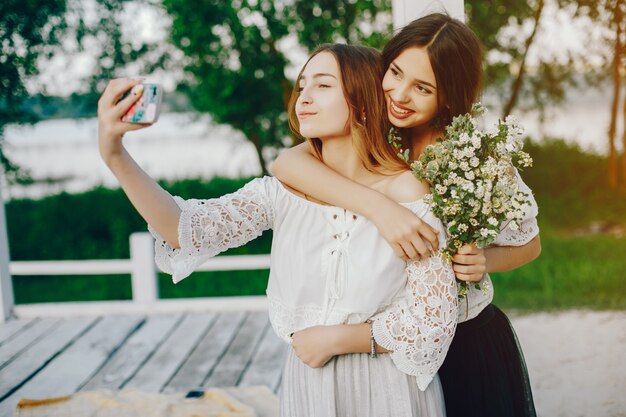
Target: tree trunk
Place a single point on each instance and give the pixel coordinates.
(517, 84)
(256, 141)
(623, 162)
(612, 168)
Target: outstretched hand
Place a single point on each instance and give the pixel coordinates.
(111, 128)
(469, 263)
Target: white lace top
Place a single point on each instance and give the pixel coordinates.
(477, 299)
(328, 266)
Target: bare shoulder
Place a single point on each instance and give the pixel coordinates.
(405, 188)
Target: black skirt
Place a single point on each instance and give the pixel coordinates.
(484, 373)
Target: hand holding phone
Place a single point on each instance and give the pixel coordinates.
(147, 109)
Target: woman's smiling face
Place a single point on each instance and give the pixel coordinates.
(321, 108)
(411, 89)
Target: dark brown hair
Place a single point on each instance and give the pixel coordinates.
(361, 71)
(456, 57)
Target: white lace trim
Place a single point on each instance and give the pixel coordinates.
(528, 228)
(419, 328)
(208, 227)
(287, 319)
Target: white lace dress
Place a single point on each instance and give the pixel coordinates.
(330, 266)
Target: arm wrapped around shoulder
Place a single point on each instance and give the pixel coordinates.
(208, 227)
(418, 328)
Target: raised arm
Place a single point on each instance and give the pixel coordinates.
(187, 232)
(402, 229)
(152, 202)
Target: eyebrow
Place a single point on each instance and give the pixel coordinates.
(415, 79)
(318, 75)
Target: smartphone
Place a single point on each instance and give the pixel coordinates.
(147, 109)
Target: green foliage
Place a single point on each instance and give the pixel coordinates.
(235, 63)
(571, 187)
(572, 272)
(96, 224)
(27, 28)
(35, 31)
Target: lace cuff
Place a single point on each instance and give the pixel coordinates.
(208, 227)
(528, 228)
(418, 328)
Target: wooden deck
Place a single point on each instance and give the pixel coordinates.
(57, 356)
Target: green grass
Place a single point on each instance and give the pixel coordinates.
(572, 272)
(39, 289)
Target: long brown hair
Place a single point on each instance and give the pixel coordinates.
(361, 71)
(456, 57)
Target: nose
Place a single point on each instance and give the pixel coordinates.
(400, 92)
(304, 98)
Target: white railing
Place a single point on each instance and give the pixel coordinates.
(144, 283)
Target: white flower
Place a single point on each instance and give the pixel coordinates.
(470, 175)
(492, 221)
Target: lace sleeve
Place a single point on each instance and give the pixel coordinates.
(208, 227)
(418, 328)
(528, 228)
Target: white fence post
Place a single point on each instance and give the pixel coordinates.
(6, 283)
(144, 274)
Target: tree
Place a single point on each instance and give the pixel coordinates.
(617, 23)
(508, 30)
(236, 55)
(27, 30)
(32, 32)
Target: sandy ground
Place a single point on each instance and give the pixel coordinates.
(576, 361)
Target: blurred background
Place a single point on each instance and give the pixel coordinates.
(227, 69)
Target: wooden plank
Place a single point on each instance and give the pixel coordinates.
(132, 355)
(25, 338)
(168, 358)
(267, 363)
(37, 356)
(229, 369)
(208, 352)
(125, 307)
(73, 367)
(12, 327)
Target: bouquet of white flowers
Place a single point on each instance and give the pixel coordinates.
(474, 190)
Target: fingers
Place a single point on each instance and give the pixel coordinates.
(117, 87)
(468, 249)
(469, 277)
(397, 249)
(420, 247)
(463, 259)
(430, 234)
(127, 102)
(468, 269)
(410, 251)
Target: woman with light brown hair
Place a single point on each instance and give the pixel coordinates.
(329, 266)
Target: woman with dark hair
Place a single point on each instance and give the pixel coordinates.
(433, 73)
(329, 266)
